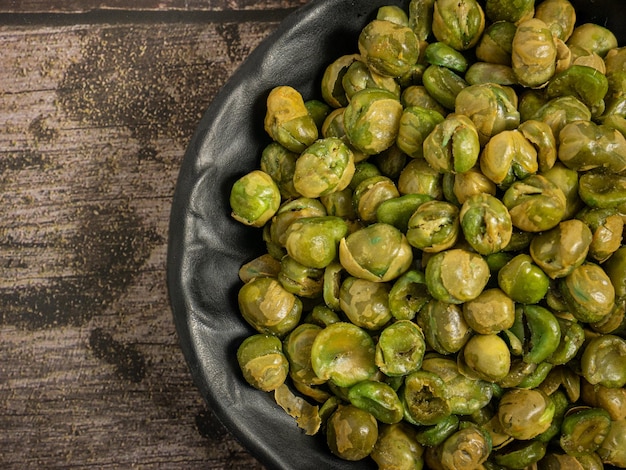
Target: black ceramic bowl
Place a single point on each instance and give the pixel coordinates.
(207, 247)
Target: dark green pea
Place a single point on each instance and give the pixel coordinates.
(397, 447)
(313, 241)
(572, 339)
(482, 73)
(262, 362)
(299, 279)
(351, 433)
(388, 48)
(254, 198)
(562, 249)
(607, 227)
(424, 396)
(377, 398)
(585, 83)
(520, 455)
(558, 112)
(416, 124)
(600, 189)
(535, 203)
(496, 43)
(615, 268)
(604, 361)
(486, 223)
(458, 24)
(287, 120)
(408, 295)
(434, 226)
(439, 53)
(268, 307)
(456, 275)
(588, 292)
(365, 303)
(444, 326)
(400, 349)
(523, 280)
(567, 181)
(344, 354)
(438, 433)
(453, 145)
(397, 211)
(443, 84)
(585, 145)
(584, 430)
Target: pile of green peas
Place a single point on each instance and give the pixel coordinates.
(445, 276)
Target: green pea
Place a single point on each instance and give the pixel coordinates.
(424, 396)
(254, 198)
(400, 349)
(408, 295)
(522, 280)
(583, 431)
(456, 275)
(262, 362)
(377, 398)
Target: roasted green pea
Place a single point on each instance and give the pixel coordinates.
(612, 399)
(388, 48)
(372, 120)
(615, 268)
(418, 177)
(434, 226)
(390, 162)
(418, 96)
(262, 362)
(588, 293)
(482, 73)
(287, 121)
(525, 414)
(351, 433)
(572, 339)
(378, 252)
(467, 448)
(456, 275)
(339, 204)
(507, 157)
(438, 433)
(359, 76)
(268, 307)
(487, 357)
(601, 189)
(585, 83)
(585, 145)
(280, 164)
(471, 183)
(443, 84)
(313, 241)
(593, 38)
(540, 135)
(496, 44)
(408, 295)
(365, 303)
(491, 312)
(397, 211)
(458, 23)
(486, 223)
(544, 332)
(400, 349)
(254, 198)
(377, 398)
(416, 124)
(522, 280)
(560, 111)
(297, 349)
(607, 227)
(520, 455)
(453, 145)
(300, 280)
(331, 86)
(439, 53)
(559, 15)
(444, 326)
(398, 448)
(511, 11)
(604, 361)
(262, 266)
(424, 396)
(370, 193)
(612, 451)
(535, 203)
(567, 181)
(534, 53)
(362, 171)
(291, 211)
(344, 354)
(584, 430)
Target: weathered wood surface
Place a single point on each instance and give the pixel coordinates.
(94, 121)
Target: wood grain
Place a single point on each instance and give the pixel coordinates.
(94, 120)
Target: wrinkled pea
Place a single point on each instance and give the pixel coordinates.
(434, 226)
(262, 362)
(453, 145)
(486, 223)
(458, 23)
(534, 53)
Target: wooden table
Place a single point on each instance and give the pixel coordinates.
(98, 101)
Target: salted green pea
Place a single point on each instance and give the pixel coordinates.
(254, 198)
(351, 433)
(585, 83)
(262, 362)
(390, 162)
(572, 339)
(469, 447)
(584, 430)
(482, 73)
(544, 333)
(280, 164)
(378, 252)
(585, 145)
(520, 456)
(594, 38)
(453, 145)
(388, 48)
(535, 203)
(602, 189)
(559, 15)
(289, 212)
(313, 241)
(458, 23)
(470, 183)
(365, 303)
(507, 157)
(408, 295)
(434, 226)
(567, 181)
(456, 275)
(363, 170)
(377, 398)
(392, 13)
(604, 361)
(370, 193)
(297, 349)
(372, 120)
(612, 451)
(522, 280)
(360, 76)
(397, 211)
(487, 357)
(400, 349)
(561, 249)
(540, 135)
(588, 292)
(444, 326)
(560, 111)
(615, 268)
(491, 107)
(496, 43)
(344, 354)
(418, 177)
(438, 433)
(287, 120)
(525, 414)
(439, 53)
(491, 312)
(417, 95)
(486, 223)
(534, 53)
(331, 85)
(299, 279)
(324, 167)
(268, 307)
(398, 448)
(443, 84)
(607, 227)
(513, 11)
(339, 204)
(424, 396)
(415, 125)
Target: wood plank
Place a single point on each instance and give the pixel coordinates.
(94, 121)
(83, 6)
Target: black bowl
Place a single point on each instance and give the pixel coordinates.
(207, 247)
